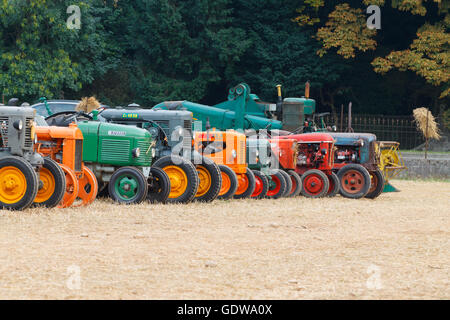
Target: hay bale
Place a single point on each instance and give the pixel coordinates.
(420, 117)
(88, 104)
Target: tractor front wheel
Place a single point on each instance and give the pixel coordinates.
(334, 185)
(52, 185)
(71, 189)
(376, 184)
(277, 185)
(210, 180)
(246, 185)
(128, 185)
(88, 188)
(296, 181)
(354, 181)
(288, 180)
(261, 185)
(18, 183)
(183, 177)
(229, 183)
(159, 187)
(315, 184)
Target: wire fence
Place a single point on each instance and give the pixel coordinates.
(387, 128)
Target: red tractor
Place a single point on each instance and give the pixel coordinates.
(315, 164)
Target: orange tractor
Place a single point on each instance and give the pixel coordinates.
(228, 150)
(65, 146)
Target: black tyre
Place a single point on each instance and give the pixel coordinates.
(229, 183)
(128, 185)
(315, 184)
(159, 186)
(18, 183)
(296, 181)
(277, 185)
(246, 185)
(288, 180)
(376, 184)
(183, 177)
(210, 180)
(52, 185)
(334, 185)
(261, 185)
(354, 181)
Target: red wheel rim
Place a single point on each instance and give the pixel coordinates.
(352, 181)
(294, 185)
(277, 188)
(313, 184)
(373, 182)
(258, 187)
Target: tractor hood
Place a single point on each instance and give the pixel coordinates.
(352, 139)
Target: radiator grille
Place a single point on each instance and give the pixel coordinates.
(115, 150)
(146, 153)
(4, 122)
(28, 143)
(78, 155)
(242, 152)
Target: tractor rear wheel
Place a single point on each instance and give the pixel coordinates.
(334, 185)
(376, 184)
(277, 185)
(296, 181)
(183, 177)
(288, 180)
(261, 185)
(88, 188)
(315, 184)
(71, 189)
(354, 181)
(246, 185)
(18, 183)
(210, 180)
(229, 183)
(128, 185)
(159, 187)
(52, 185)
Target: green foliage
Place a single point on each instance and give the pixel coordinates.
(40, 56)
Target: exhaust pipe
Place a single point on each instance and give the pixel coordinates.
(279, 111)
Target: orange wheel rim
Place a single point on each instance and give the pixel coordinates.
(178, 181)
(352, 181)
(71, 187)
(243, 184)
(48, 186)
(226, 184)
(13, 185)
(205, 181)
(88, 187)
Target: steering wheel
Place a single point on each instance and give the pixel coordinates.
(64, 118)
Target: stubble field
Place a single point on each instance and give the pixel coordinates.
(394, 247)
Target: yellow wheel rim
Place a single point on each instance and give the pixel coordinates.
(178, 181)
(226, 184)
(243, 184)
(205, 181)
(48, 186)
(13, 185)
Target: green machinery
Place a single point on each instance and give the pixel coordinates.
(192, 176)
(121, 158)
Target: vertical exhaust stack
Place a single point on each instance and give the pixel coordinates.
(279, 111)
(307, 87)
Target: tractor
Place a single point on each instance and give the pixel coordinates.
(120, 156)
(192, 175)
(228, 150)
(65, 146)
(20, 164)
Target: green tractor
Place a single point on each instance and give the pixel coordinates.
(121, 158)
(192, 176)
(20, 164)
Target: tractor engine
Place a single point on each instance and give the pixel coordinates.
(310, 155)
(348, 155)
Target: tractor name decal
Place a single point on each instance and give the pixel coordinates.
(117, 133)
(130, 115)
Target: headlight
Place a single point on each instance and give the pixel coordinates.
(257, 153)
(153, 152)
(33, 130)
(35, 139)
(180, 131)
(136, 152)
(234, 153)
(18, 125)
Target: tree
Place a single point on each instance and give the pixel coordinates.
(40, 55)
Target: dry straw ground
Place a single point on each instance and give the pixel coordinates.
(394, 247)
